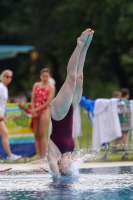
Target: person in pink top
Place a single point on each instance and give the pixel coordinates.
(42, 94)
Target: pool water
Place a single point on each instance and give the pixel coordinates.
(113, 183)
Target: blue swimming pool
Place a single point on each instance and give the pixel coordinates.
(113, 183)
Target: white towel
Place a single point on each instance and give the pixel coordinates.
(77, 130)
(106, 124)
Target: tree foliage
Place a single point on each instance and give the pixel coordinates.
(52, 26)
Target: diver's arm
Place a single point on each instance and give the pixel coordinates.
(53, 157)
(52, 160)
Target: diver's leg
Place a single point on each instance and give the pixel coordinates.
(63, 100)
(79, 82)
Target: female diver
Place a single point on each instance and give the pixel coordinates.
(61, 143)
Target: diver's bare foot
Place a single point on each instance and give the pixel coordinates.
(89, 39)
(84, 36)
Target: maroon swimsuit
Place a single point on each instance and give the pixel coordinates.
(62, 132)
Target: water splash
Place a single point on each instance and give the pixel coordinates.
(78, 158)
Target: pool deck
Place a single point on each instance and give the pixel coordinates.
(36, 166)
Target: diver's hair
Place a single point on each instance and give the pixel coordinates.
(45, 70)
(4, 73)
(68, 173)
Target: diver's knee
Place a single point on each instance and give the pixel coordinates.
(80, 78)
(72, 77)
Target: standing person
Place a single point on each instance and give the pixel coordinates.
(6, 78)
(61, 143)
(42, 95)
(117, 95)
(125, 118)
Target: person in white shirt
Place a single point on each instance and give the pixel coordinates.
(6, 78)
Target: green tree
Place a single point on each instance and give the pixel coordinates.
(53, 26)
